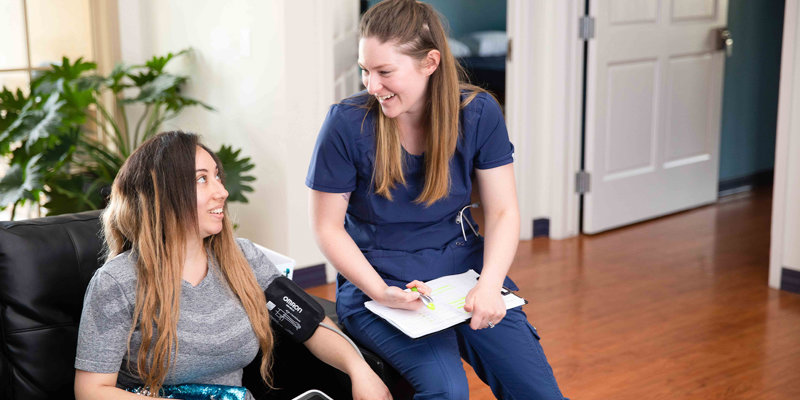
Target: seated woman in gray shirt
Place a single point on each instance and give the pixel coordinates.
(179, 300)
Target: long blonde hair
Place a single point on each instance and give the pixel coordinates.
(416, 28)
(152, 210)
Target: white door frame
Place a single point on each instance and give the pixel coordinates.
(783, 233)
(544, 93)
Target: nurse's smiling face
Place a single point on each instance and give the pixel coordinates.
(397, 80)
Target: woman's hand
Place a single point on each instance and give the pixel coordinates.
(368, 386)
(487, 306)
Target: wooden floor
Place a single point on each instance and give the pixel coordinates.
(675, 308)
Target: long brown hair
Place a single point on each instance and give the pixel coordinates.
(152, 211)
(416, 29)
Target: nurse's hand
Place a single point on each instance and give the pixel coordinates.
(395, 297)
(421, 286)
(487, 306)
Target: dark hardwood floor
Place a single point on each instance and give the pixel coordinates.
(674, 308)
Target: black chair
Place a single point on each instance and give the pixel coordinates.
(45, 267)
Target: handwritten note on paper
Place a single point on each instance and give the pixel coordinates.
(449, 294)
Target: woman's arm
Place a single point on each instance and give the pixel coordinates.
(499, 200)
(334, 350)
(327, 211)
(101, 325)
(94, 385)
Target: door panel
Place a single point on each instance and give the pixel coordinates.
(687, 133)
(693, 9)
(654, 92)
(631, 90)
(632, 11)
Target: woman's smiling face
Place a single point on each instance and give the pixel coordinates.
(211, 194)
(398, 81)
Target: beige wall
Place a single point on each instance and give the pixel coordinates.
(259, 64)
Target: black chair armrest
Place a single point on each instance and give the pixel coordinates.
(295, 370)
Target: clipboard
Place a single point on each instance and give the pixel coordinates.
(449, 295)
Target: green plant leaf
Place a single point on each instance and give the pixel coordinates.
(157, 63)
(177, 102)
(103, 163)
(62, 158)
(115, 80)
(159, 88)
(74, 193)
(60, 152)
(11, 101)
(21, 182)
(139, 77)
(54, 79)
(36, 122)
(235, 173)
(77, 99)
(90, 83)
(11, 105)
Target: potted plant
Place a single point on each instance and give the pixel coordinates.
(67, 139)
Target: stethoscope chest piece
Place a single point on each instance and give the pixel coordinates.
(460, 220)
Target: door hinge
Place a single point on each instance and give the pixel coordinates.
(508, 50)
(586, 28)
(582, 182)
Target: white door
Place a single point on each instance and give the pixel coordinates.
(346, 74)
(654, 97)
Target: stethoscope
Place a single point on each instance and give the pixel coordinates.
(460, 221)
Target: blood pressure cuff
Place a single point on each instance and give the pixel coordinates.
(293, 309)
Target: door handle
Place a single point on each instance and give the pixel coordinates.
(725, 41)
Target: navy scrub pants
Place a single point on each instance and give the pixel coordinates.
(507, 357)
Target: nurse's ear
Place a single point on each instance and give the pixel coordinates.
(431, 62)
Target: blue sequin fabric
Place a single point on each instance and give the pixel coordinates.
(195, 391)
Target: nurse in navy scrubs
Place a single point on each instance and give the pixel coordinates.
(391, 177)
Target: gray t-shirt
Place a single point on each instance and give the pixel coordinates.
(215, 338)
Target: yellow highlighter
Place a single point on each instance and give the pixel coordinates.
(427, 300)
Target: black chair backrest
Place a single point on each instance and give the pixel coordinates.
(45, 266)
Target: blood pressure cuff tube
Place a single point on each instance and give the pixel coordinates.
(293, 309)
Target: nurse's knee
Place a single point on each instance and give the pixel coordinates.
(440, 386)
(460, 392)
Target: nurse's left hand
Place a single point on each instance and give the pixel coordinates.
(487, 306)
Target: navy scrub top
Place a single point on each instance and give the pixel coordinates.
(401, 239)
